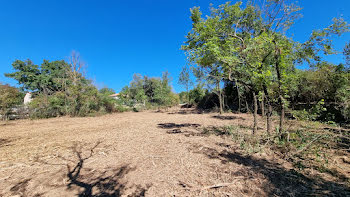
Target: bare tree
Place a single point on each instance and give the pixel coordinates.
(77, 66)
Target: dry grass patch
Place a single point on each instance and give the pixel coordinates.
(171, 153)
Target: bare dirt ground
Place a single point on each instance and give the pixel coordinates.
(143, 154)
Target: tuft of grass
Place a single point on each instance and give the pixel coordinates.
(250, 144)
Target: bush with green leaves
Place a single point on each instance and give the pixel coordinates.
(88, 101)
(43, 106)
(146, 92)
(323, 92)
(60, 88)
(197, 94)
(9, 97)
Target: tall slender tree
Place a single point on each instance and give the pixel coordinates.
(185, 81)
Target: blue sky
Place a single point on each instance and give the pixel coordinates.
(117, 38)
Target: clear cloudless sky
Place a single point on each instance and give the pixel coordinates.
(117, 38)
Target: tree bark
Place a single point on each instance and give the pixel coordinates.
(268, 117)
(223, 101)
(269, 111)
(262, 105)
(238, 95)
(246, 105)
(220, 97)
(280, 98)
(255, 114)
(281, 114)
(188, 96)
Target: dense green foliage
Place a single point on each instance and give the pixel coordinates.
(320, 93)
(9, 97)
(185, 81)
(145, 92)
(60, 88)
(328, 84)
(247, 45)
(241, 55)
(50, 77)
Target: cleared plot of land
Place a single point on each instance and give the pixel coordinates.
(145, 153)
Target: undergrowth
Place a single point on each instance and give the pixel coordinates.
(310, 145)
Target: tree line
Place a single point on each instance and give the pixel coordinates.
(149, 92)
(243, 52)
(61, 88)
(242, 60)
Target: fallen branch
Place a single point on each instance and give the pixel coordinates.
(308, 144)
(219, 185)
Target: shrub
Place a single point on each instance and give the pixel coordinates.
(210, 101)
(301, 114)
(314, 113)
(75, 102)
(44, 106)
(197, 94)
(121, 108)
(107, 103)
(9, 98)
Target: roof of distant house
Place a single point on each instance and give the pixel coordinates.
(114, 95)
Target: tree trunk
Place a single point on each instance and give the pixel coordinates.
(226, 106)
(281, 114)
(188, 96)
(223, 101)
(255, 114)
(268, 118)
(262, 105)
(281, 103)
(65, 92)
(269, 111)
(246, 105)
(280, 98)
(220, 99)
(238, 95)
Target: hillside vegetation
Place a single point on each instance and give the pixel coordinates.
(249, 122)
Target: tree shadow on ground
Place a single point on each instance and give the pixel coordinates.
(89, 182)
(283, 182)
(4, 142)
(98, 183)
(174, 125)
(184, 112)
(187, 129)
(343, 141)
(227, 117)
(20, 189)
(195, 129)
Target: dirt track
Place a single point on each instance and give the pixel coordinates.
(136, 154)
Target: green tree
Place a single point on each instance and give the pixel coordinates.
(27, 74)
(50, 77)
(163, 91)
(251, 47)
(150, 84)
(146, 90)
(184, 80)
(53, 76)
(61, 88)
(136, 89)
(9, 98)
(197, 94)
(326, 83)
(228, 39)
